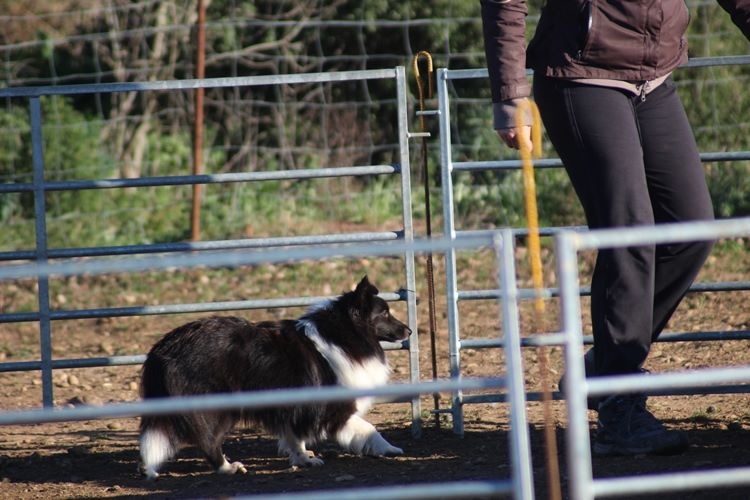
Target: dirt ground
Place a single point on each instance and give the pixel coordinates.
(99, 459)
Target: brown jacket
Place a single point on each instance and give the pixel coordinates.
(634, 40)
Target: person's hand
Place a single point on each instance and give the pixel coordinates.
(513, 139)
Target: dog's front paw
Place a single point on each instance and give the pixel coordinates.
(377, 446)
(232, 468)
(239, 467)
(306, 459)
(393, 450)
(150, 474)
(386, 451)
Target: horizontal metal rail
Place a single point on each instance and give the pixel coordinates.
(558, 339)
(184, 180)
(455, 489)
(528, 293)
(695, 62)
(475, 166)
(519, 231)
(661, 234)
(191, 84)
(193, 246)
(246, 400)
(559, 396)
(198, 307)
(675, 481)
(60, 364)
(133, 359)
(706, 377)
(223, 258)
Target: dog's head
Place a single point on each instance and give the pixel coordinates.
(375, 313)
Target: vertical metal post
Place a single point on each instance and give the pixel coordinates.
(200, 73)
(576, 390)
(520, 449)
(40, 227)
(449, 230)
(411, 286)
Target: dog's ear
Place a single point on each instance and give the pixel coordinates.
(365, 290)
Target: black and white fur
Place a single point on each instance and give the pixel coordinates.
(335, 342)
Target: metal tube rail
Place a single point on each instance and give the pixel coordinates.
(409, 265)
(207, 245)
(456, 489)
(133, 359)
(558, 339)
(559, 396)
(246, 400)
(40, 233)
(705, 377)
(449, 229)
(223, 258)
(662, 234)
(523, 479)
(695, 62)
(183, 180)
(679, 481)
(191, 84)
(548, 293)
(197, 307)
(474, 166)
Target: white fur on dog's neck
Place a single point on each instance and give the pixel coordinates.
(369, 373)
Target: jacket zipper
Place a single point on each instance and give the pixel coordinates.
(642, 89)
(586, 12)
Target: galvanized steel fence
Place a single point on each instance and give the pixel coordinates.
(582, 484)
(42, 254)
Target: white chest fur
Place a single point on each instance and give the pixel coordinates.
(357, 375)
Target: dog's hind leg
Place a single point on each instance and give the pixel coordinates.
(210, 442)
(156, 448)
(299, 455)
(360, 436)
(219, 461)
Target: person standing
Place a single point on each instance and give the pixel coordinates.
(603, 85)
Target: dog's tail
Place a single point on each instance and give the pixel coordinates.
(153, 378)
(158, 441)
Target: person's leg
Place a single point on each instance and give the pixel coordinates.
(678, 192)
(631, 163)
(595, 132)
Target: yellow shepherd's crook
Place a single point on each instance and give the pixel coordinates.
(535, 256)
(529, 192)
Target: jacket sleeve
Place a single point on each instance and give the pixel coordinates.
(504, 27)
(739, 10)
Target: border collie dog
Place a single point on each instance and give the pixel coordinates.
(334, 342)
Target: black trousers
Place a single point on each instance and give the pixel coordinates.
(631, 162)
